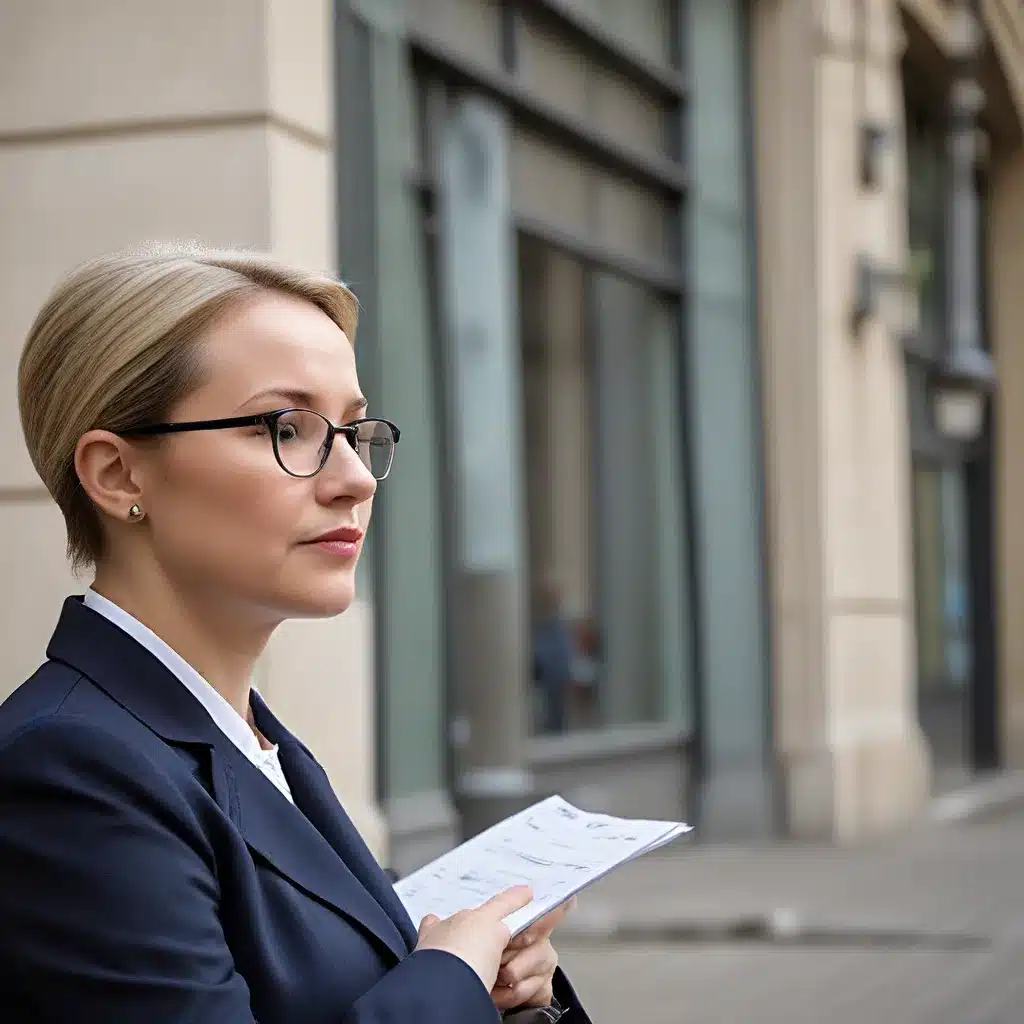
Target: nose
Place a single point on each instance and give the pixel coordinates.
(346, 475)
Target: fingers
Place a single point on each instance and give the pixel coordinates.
(537, 961)
(509, 901)
(541, 929)
(551, 920)
(526, 980)
(534, 992)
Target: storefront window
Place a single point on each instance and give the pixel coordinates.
(942, 607)
(610, 633)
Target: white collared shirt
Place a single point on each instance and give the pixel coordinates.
(227, 719)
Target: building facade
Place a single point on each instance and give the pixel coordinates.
(672, 530)
(894, 565)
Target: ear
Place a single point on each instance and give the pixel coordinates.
(108, 469)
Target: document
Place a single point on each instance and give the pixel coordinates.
(553, 847)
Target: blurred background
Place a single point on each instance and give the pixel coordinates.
(700, 320)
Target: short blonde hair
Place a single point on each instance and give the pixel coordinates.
(115, 347)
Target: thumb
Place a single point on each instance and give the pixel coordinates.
(428, 922)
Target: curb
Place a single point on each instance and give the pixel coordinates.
(980, 799)
(782, 927)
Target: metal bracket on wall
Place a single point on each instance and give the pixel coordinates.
(880, 289)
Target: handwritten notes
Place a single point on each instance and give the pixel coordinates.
(553, 847)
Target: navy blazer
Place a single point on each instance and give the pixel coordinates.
(150, 873)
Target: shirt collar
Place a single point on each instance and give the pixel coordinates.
(227, 719)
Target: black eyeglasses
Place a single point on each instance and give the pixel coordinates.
(302, 439)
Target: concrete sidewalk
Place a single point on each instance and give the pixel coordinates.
(925, 928)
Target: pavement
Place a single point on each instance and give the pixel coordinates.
(924, 927)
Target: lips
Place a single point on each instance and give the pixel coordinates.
(342, 535)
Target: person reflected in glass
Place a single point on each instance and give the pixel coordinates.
(169, 851)
(554, 655)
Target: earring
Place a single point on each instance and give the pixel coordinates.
(135, 513)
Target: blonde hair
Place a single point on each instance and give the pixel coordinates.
(115, 347)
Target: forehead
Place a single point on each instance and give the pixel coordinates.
(277, 341)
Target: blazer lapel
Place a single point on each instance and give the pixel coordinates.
(286, 838)
(278, 832)
(313, 793)
(316, 798)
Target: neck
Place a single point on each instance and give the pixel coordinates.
(220, 647)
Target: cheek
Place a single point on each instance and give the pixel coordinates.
(218, 509)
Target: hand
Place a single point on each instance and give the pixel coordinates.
(477, 937)
(528, 965)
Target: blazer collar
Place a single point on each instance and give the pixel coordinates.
(131, 675)
(312, 843)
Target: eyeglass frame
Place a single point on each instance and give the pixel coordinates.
(270, 421)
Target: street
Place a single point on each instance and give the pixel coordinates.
(926, 928)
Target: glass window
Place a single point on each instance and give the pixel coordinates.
(926, 224)
(549, 183)
(944, 648)
(470, 27)
(552, 68)
(555, 70)
(643, 25)
(602, 422)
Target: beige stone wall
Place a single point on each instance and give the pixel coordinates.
(1005, 22)
(1007, 262)
(851, 753)
(124, 122)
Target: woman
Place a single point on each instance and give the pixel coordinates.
(168, 850)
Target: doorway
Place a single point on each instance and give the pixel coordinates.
(945, 653)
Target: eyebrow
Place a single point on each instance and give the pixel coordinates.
(302, 399)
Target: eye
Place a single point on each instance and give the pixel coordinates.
(286, 432)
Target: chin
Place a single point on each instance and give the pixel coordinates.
(321, 598)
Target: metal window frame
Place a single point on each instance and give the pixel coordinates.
(444, 71)
(662, 175)
(438, 62)
(668, 84)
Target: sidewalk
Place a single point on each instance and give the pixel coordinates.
(925, 928)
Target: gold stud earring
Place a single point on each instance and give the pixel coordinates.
(135, 513)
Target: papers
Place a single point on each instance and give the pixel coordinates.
(553, 847)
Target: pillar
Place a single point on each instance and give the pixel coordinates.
(851, 756)
(121, 123)
(737, 796)
(1006, 262)
(384, 251)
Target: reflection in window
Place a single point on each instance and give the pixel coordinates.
(926, 225)
(604, 491)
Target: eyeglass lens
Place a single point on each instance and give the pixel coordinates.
(304, 437)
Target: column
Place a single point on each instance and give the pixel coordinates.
(1006, 260)
(723, 410)
(121, 123)
(384, 249)
(852, 759)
